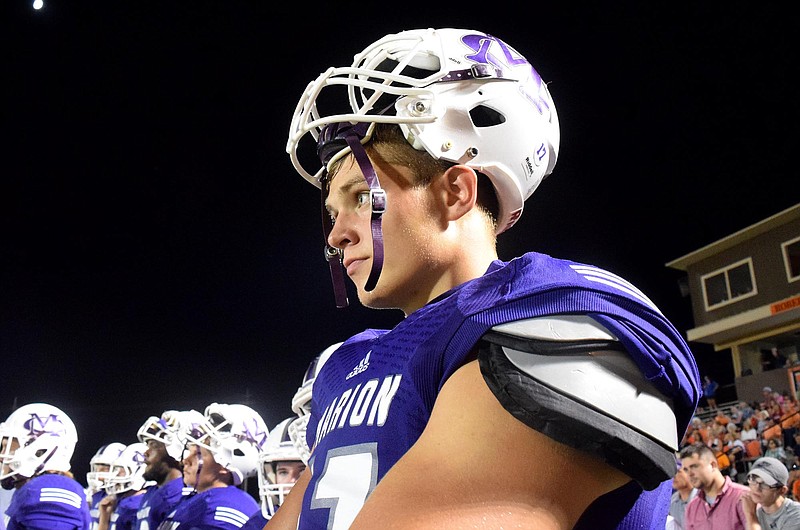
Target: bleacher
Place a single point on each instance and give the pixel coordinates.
(707, 414)
(783, 429)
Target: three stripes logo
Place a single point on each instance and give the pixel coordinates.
(60, 495)
(362, 365)
(593, 274)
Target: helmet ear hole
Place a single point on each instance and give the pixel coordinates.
(40, 452)
(483, 116)
(218, 420)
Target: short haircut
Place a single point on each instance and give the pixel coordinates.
(388, 142)
(702, 451)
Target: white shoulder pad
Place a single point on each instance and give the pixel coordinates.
(570, 378)
(557, 327)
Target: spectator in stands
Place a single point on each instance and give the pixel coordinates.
(723, 461)
(778, 360)
(722, 419)
(736, 451)
(794, 478)
(772, 399)
(748, 432)
(766, 506)
(736, 415)
(764, 421)
(682, 493)
(697, 433)
(772, 359)
(775, 450)
(796, 445)
(773, 430)
(710, 392)
(747, 411)
(717, 503)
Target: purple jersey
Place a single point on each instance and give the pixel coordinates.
(217, 508)
(49, 502)
(157, 502)
(124, 516)
(256, 521)
(94, 512)
(374, 396)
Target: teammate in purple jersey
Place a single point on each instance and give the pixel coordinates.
(165, 437)
(36, 445)
(562, 372)
(99, 471)
(221, 453)
(279, 467)
(125, 488)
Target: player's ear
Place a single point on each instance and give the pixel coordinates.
(225, 475)
(459, 186)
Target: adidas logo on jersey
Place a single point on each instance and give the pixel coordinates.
(363, 364)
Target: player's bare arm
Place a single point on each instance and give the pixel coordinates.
(476, 466)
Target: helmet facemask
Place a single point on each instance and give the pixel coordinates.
(100, 466)
(279, 448)
(234, 435)
(128, 470)
(462, 96)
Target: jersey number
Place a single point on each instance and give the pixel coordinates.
(347, 478)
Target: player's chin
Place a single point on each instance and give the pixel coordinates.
(373, 299)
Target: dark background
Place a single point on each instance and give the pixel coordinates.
(157, 249)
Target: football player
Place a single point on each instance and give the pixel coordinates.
(279, 467)
(165, 437)
(425, 149)
(221, 453)
(125, 488)
(99, 472)
(301, 402)
(36, 445)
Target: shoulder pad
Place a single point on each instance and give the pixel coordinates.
(556, 327)
(569, 378)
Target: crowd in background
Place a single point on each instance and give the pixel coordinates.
(741, 432)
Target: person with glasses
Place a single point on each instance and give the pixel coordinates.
(767, 506)
(718, 500)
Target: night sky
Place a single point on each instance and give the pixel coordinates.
(158, 251)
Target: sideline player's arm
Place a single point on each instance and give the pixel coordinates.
(105, 508)
(289, 512)
(476, 466)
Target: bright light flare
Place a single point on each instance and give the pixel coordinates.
(38, 4)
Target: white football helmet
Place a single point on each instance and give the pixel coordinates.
(461, 95)
(235, 435)
(279, 448)
(128, 470)
(301, 402)
(46, 438)
(104, 457)
(171, 429)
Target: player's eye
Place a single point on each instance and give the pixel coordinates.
(363, 198)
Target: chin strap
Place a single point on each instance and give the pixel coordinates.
(377, 203)
(377, 196)
(199, 469)
(333, 255)
(41, 466)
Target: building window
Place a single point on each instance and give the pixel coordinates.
(791, 258)
(729, 284)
